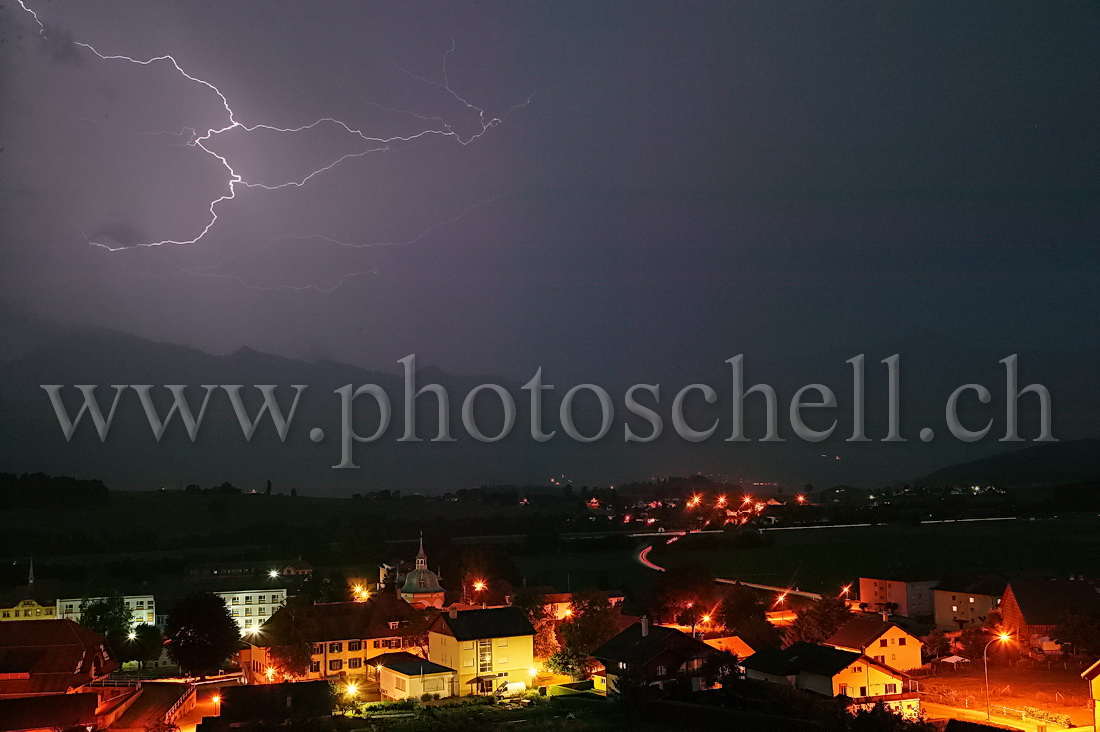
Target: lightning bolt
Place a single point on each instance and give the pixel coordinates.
(434, 127)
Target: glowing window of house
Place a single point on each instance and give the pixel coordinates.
(485, 655)
(394, 624)
(972, 599)
(263, 598)
(954, 608)
(236, 601)
(661, 670)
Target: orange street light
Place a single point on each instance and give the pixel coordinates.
(1003, 637)
(479, 585)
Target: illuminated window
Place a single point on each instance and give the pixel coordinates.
(661, 670)
(335, 647)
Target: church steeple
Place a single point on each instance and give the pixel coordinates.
(421, 557)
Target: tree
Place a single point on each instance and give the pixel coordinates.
(819, 621)
(533, 605)
(571, 663)
(1081, 631)
(594, 622)
(144, 644)
(936, 645)
(681, 587)
(200, 633)
(107, 616)
(288, 637)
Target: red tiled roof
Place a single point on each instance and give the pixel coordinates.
(50, 656)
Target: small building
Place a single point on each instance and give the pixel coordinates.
(967, 602)
(832, 672)
(491, 649)
(403, 675)
(881, 640)
(907, 596)
(32, 601)
(1032, 608)
(655, 656)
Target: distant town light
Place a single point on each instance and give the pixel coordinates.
(132, 635)
(479, 585)
(273, 573)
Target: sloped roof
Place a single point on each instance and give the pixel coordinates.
(338, 621)
(496, 622)
(631, 647)
(801, 657)
(861, 631)
(1045, 602)
(409, 664)
(56, 711)
(990, 585)
(43, 656)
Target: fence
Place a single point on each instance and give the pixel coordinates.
(183, 705)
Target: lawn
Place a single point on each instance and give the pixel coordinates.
(1058, 688)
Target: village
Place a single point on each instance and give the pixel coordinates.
(279, 642)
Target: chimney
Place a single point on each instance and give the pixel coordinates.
(886, 616)
(645, 626)
(454, 613)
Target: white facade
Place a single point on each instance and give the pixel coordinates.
(141, 607)
(251, 608)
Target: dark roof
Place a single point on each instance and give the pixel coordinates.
(338, 621)
(801, 657)
(276, 702)
(992, 586)
(495, 622)
(859, 632)
(631, 647)
(1045, 602)
(44, 592)
(48, 711)
(409, 664)
(50, 656)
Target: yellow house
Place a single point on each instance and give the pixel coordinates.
(881, 640)
(402, 675)
(832, 672)
(346, 638)
(31, 601)
(1092, 675)
(492, 649)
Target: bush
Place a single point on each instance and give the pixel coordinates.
(1044, 715)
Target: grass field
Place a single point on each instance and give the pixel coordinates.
(822, 559)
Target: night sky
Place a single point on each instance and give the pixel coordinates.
(670, 184)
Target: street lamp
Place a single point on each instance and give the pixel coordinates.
(985, 664)
(217, 704)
